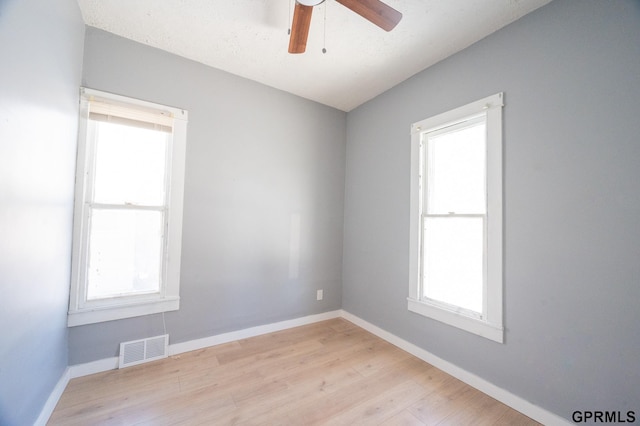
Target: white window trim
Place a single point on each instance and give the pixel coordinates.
(490, 324)
(81, 312)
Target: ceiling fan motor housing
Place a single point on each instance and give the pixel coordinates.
(310, 2)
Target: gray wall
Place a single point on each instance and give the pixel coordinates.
(41, 50)
(571, 76)
(258, 161)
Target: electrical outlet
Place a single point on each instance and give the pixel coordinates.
(319, 295)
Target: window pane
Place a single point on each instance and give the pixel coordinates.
(456, 171)
(453, 264)
(130, 165)
(125, 250)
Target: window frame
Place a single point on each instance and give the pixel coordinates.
(489, 323)
(81, 310)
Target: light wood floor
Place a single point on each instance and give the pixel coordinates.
(331, 372)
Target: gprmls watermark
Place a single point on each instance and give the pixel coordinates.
(589, 416)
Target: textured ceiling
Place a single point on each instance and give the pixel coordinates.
(249, 38)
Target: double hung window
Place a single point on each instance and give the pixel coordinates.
(128, 209)
(456, 218)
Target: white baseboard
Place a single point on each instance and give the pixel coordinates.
(53, 399)
(218, 339)
(517, 403)
(105, 364)
(537, 413)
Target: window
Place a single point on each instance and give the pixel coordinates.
(128, 208)
(456, 218)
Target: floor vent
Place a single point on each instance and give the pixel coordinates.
(144, 350)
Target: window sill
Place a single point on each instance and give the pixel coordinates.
(110, 313)
(472, 325)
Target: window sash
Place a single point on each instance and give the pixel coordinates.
(159, 255)
(423, 293)
(431, 189)
(130, 117)
(92, 145)
(427, 189)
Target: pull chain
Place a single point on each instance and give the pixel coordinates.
(289, 18)
(324, 35)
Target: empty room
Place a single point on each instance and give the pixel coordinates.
(281, 212)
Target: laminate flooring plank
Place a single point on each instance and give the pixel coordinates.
(444, 400)
(403, 418)
(377, 409)
(337, 402)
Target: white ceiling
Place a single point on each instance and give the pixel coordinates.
(249, 38)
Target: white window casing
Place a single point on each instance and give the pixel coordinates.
(488, 323)
(96, 106)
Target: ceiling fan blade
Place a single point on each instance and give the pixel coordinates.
(300, 28)
(374, 11)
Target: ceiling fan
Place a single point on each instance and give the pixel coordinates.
(374, 11)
